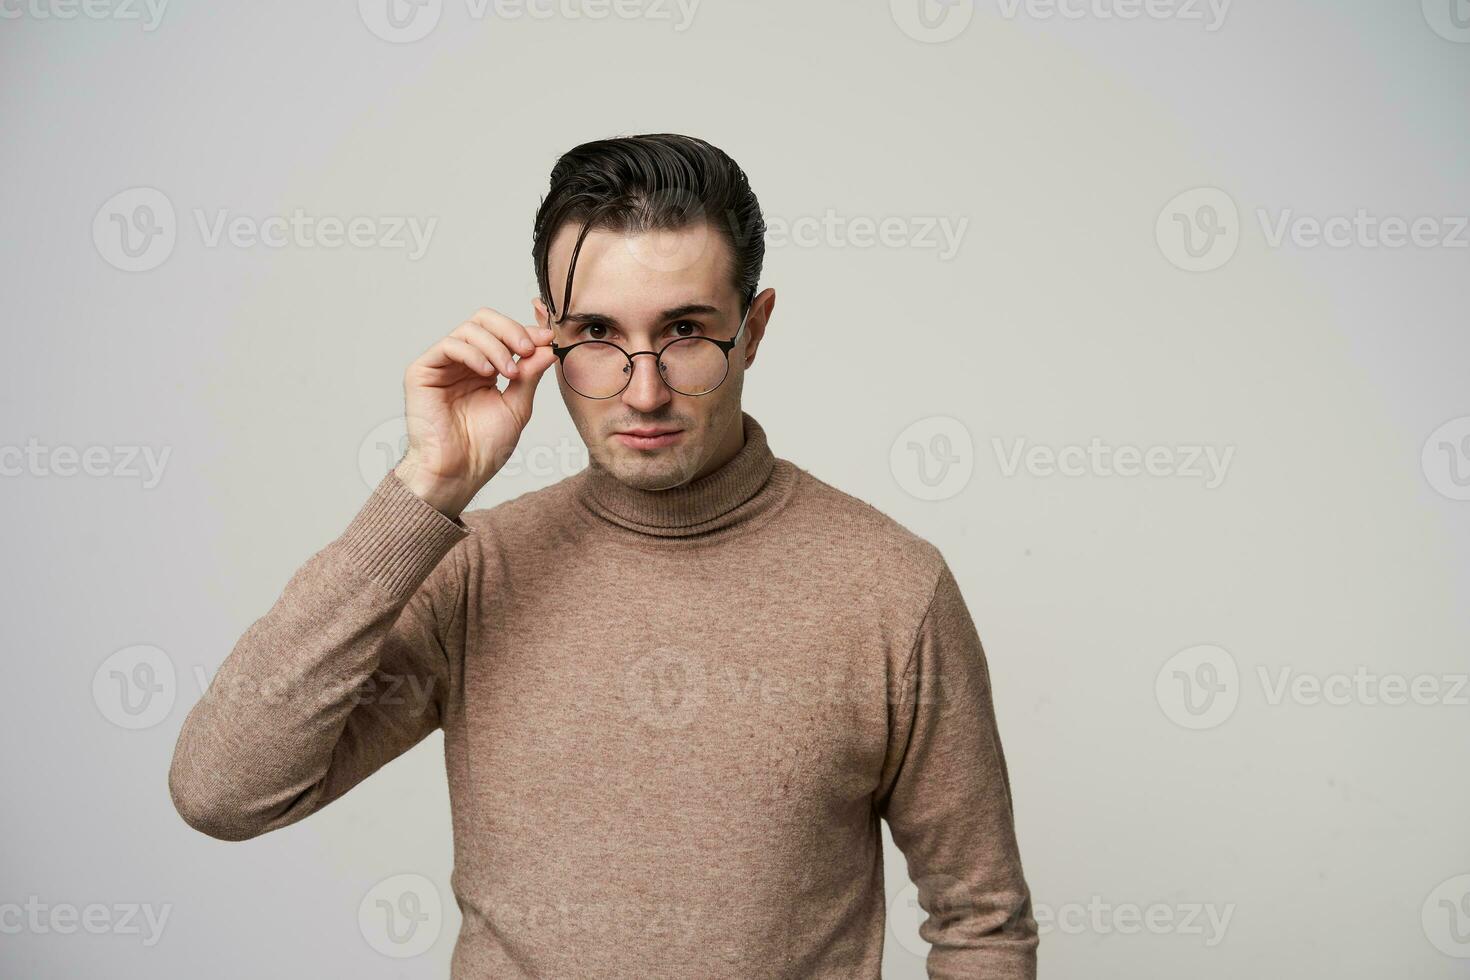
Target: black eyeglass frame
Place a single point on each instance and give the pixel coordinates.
(658, 355)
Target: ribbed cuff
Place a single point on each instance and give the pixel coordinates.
(398, 538)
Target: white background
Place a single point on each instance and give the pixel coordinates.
(1330, 833)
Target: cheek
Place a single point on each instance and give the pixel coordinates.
(582, 411)
(717, 410)
(728, 394)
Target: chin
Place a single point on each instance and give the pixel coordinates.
(654, 470)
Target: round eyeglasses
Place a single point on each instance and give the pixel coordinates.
(688, 365)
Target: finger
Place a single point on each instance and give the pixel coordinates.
(437, 366)
(520, 392)
(453, 350)
(514, 335)
(487, 344)
(542, 331)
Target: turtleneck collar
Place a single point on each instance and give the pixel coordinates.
(750, 484)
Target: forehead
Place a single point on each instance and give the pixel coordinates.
(637, 274)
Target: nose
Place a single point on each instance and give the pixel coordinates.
(646, 390)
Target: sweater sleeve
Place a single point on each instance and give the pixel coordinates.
(346, 671)
(946, 796)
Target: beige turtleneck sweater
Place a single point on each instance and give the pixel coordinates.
(672, 722)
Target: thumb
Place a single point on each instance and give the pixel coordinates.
(520, 391)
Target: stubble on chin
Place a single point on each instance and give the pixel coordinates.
(661, 470)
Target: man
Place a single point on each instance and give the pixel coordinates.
(680, 687)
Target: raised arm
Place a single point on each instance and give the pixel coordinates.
(352, 664)
(947, 798)
(347, 670)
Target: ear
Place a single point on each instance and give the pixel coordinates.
(765, 305)
(543, 318)
(761, 309)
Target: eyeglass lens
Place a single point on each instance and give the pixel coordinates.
(690, 366)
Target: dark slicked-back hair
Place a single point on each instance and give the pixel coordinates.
(657, 181)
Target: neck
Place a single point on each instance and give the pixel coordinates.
(733, 494)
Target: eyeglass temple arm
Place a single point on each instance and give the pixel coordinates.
(729, 345)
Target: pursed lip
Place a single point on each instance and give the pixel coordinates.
(646, 432)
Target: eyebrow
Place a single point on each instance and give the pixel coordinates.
(673, 313)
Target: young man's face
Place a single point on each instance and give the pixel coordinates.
(624, 289)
